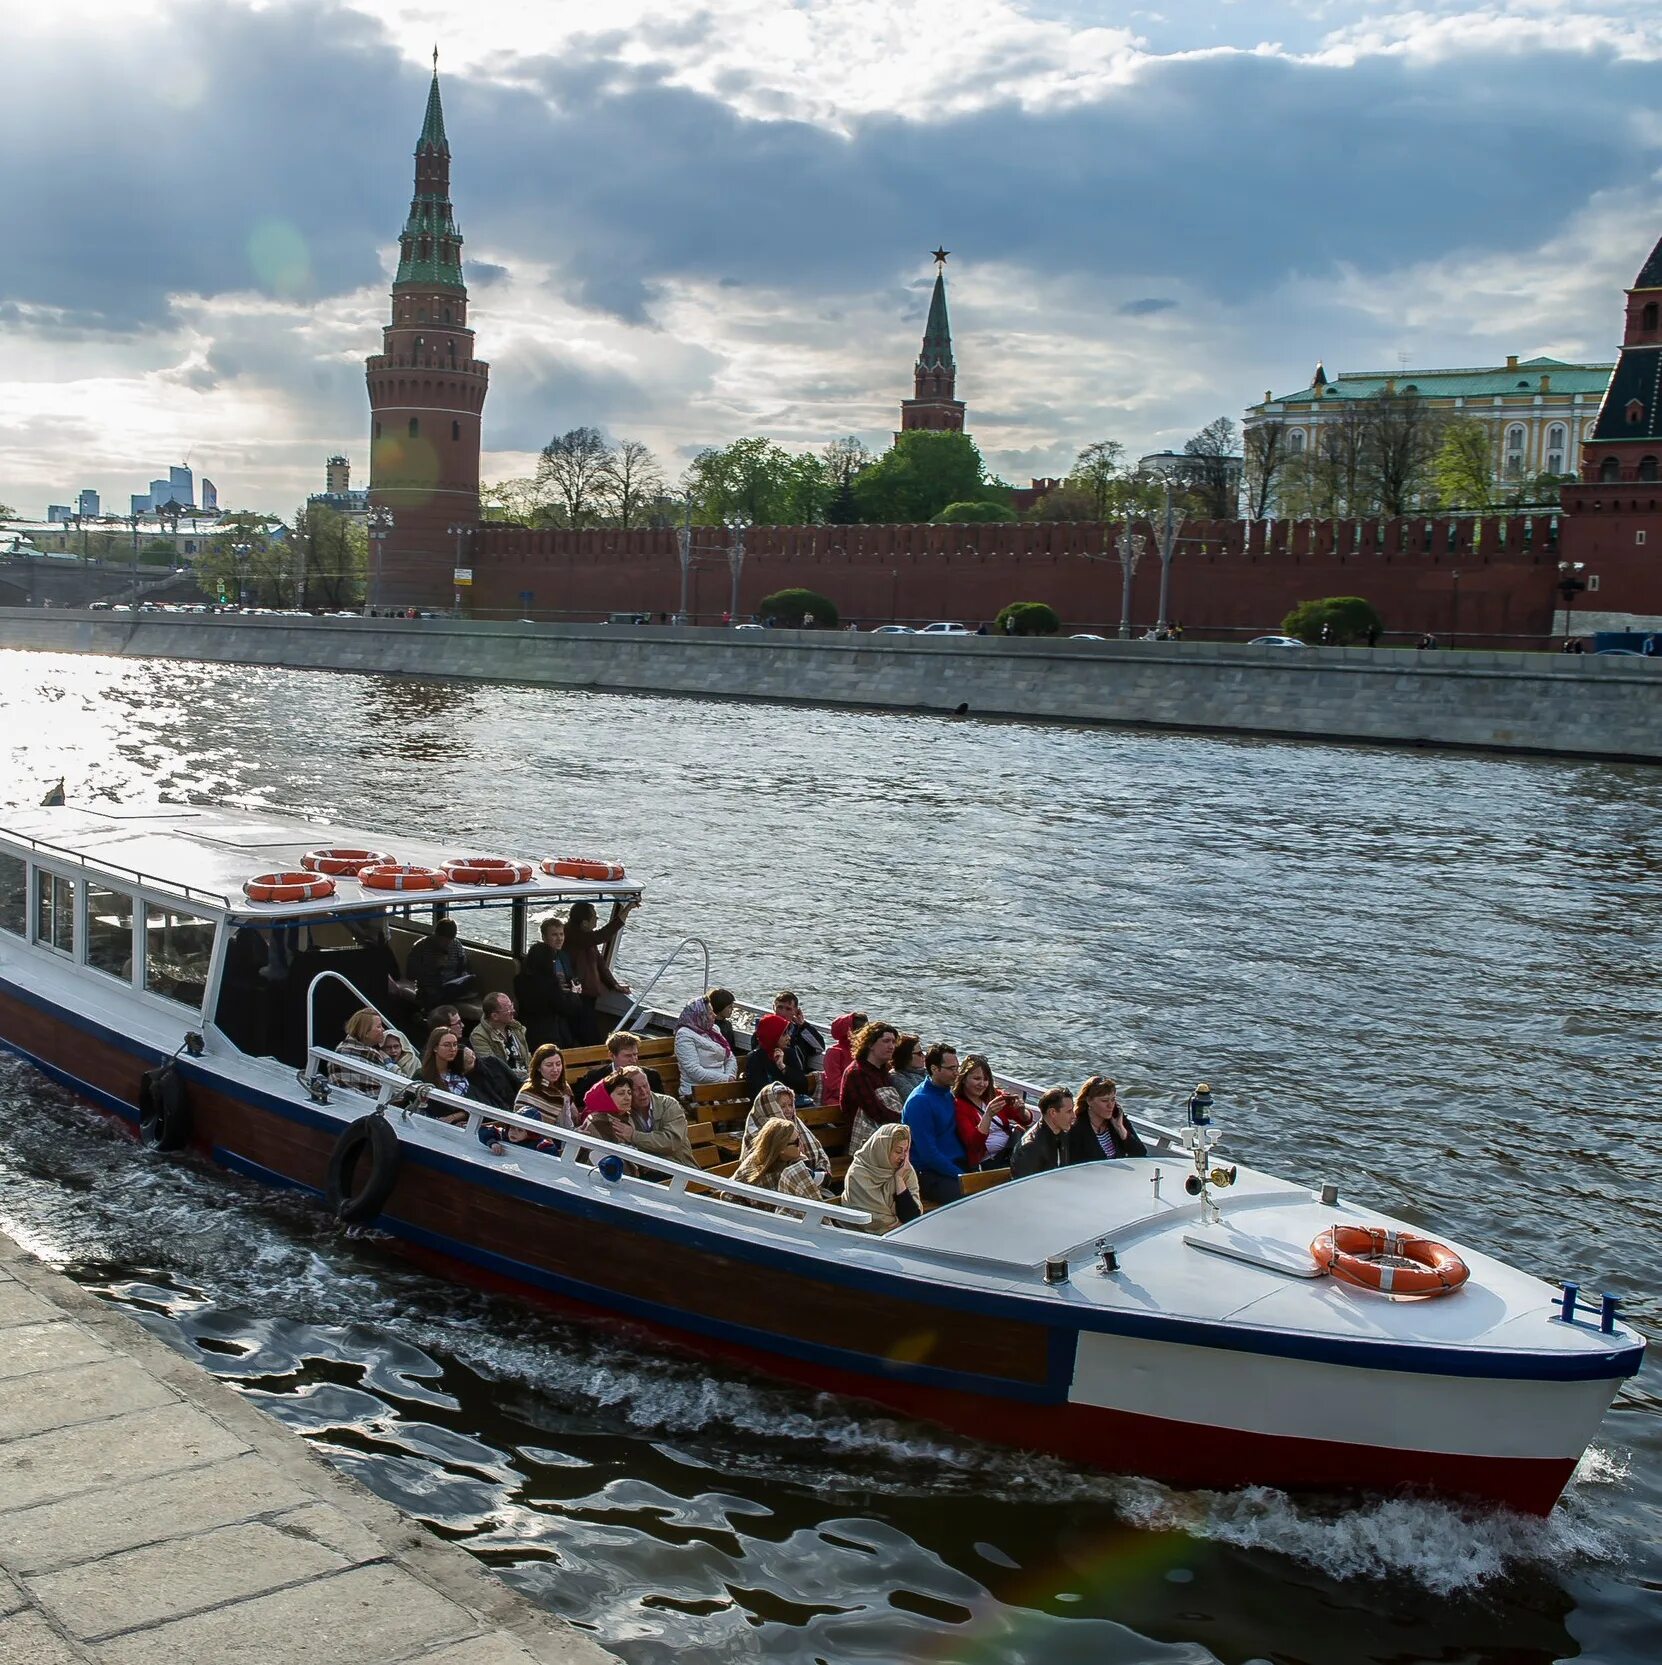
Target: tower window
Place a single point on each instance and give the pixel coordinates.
(1610, 470)
(455, 430)
(415, 428)
(1647, 318)
(447, 315)
(1647, 468)
(377, 430)
(1635, 411)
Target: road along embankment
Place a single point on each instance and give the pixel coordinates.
(150, 1515)
(1581, 706)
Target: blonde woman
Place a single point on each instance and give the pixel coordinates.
(776, 1162)
(777, 1099)
(881, 1179)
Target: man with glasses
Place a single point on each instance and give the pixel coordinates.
(931, 1112)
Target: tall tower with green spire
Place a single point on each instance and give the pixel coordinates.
(932, 406)
(426, 393)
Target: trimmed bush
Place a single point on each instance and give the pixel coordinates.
(1027, 618)
(1338, 620)
(787, 608)
(973, 513)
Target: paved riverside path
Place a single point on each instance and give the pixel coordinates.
(149, 1515)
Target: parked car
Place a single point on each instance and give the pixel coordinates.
(1086, 636)
(1275, 641)
(1617, 653)
(943, 627)
(893, 630)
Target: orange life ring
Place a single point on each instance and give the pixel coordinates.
(288, 887)
(344, 861)
(394, 875)
(581, 867)
(486, 870)
(1353, 1254)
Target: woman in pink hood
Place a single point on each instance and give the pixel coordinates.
(839, 1055)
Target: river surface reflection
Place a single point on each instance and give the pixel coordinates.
(1433, 977)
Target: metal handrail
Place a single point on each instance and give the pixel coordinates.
(573, 1141)
(311, 1004)
(639, 1001)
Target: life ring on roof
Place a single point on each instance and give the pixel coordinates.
(288, 887)
(486, 870)
(394, 875)
(581, 867)
(344, 861)
(1392, 1262)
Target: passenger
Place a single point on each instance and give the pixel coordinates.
(776, 1162)
(703, 1054)
(778, 1103)
(624, 1050)
(990, 1121)
(606, 1108)
(881, 1180)
(446, 1063)
(869, 1097)
(931, 1113)
(839, 1055)
(586, 945)
(910, 1071)
(437, 964)
(660, 1122)
(369, 1039)
(1045, 1144)
(548, 990)
(448, 1017)
(767, 1061)
(1102, 1129)
(500, 1038)
(546, 1093)
(801, 1038)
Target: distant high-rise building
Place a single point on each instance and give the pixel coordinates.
(337, 475)
(210, 496)
(86, 505)
(58, 514)
(140, 503)
(182, 487)
(161, 493)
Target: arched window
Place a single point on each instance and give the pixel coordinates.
(1514, 450)
(1610, 470)
(1295, 441)
(447, 315)
(1555, 448)
(415, 428)
(1647, 468)
(1647, 318)
(455, 430)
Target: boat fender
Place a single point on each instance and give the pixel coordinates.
(610, 1168)
(164, 1111)
(363, 1168)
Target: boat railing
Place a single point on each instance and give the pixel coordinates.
(311, 1004)
(409, 1098)
(638, 1002)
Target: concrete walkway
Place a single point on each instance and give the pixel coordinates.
(151, 1516)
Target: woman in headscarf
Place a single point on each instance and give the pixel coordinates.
(839, 1055)
(778, 1102)
(768, 1061)
(776, 1162)
(702, 1052)
(881, 1179)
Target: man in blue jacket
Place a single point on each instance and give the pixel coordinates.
(930, 1112)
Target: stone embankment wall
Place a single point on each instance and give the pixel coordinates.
(1583, 706)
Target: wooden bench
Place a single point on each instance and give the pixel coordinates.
(657, 1052)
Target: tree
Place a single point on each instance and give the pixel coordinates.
(159, 552)
(511, 502)
(1327, 481)
(1264, 455)
(978, 512)
(333, 552)
(235, 564)
(1211, 470)
(573, 472)
(844, 460)
(1027, 618)
(1338, 620)
(920, 475)
(1097, 472)
(1464, 468)
(1401, 437)
(758, 481)
(631, 481)
(790, 607)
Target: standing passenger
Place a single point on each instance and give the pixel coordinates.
(586, 945)
(548, 996)
(932, 1115)
(869, 1098)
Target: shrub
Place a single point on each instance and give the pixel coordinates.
(1346, 618)
(787, 607)
(973, 513)
(1027, 618)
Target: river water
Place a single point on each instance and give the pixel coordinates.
(1432, 977)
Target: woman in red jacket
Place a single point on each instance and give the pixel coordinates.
(990, 1122)
(839, 1055)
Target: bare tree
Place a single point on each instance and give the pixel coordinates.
(844, 458)
(1264, 455)
(1211, 470)
(632, 481)
(511, 502)
(573, 471)
(1402, 438)
(1099, 472)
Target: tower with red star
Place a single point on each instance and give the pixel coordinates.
(933, 406)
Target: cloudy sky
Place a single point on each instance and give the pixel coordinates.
(689, 222)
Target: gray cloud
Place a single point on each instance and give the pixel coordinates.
(1145, 308)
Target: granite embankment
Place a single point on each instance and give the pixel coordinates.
(1585, 706)
(150, 1515)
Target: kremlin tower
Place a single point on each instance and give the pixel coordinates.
(932, 406)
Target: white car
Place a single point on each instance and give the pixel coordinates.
(1275, 641)
(943, 628)
(1086, 636)
(893, 630)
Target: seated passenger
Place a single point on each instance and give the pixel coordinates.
(546, 1093)
(437, 964)
(1045, 1144)
(869, 1098)
(839, 1055)
(586, 945)
(504, 1053)
(990, 1121)
(931, 1112)
(804, 1044)
(606, 1108)
(548, 989)
(1102, 1128)
(767, 1061)
(775, 1163)
(624, 1051)
(881, 1180)
(660, 1122)
(907, 1065)
(368, 1038)
(703, 1054)
(778, 1102)
(446, 1063)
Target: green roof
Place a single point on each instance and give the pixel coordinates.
(430, 247)
(1461, 384)
(937, 333)
(432, 127)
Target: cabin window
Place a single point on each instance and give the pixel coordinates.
(177, 948)
(54, 911)
(14, 895)
(110, 931)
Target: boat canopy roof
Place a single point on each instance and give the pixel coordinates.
(206, 855)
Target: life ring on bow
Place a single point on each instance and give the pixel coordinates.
(1393, 1262)
(344, 861)
(486, 870)
(288, 887)
(582, 867)
(394, 875)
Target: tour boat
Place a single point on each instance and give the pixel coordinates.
(189, 970)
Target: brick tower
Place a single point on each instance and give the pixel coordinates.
(932, 406)
(1626, 443)
(426, 393)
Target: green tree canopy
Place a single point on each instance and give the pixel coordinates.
(978, 512)
(920, 475)
(241, 564)
(1337, 620)
(1027, 618)
(759, 481)
(790, 607)
(1464, 467)
(334, 552)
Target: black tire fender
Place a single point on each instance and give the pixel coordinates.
(363, 1169)
(164, 1112)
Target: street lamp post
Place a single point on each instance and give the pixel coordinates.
(683, 545)
(458, 533)
(1129, 547)
(1453, 605)
(1570, 585)
(1168, 547)
(239, 555)
(379, 525)
(737, 525)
